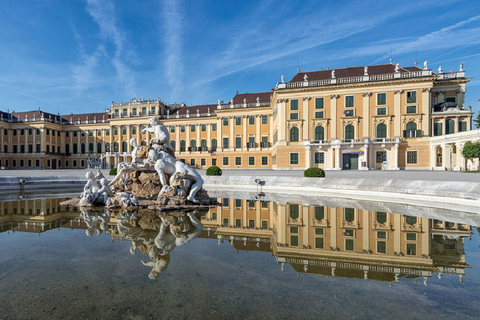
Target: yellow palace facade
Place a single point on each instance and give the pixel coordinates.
(372, 117)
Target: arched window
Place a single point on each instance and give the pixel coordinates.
(294, 134)
(411, 126)
(99, 147)
(294, 211)
(381, 217)
(90, 147)
(82, 148)
(349, 214)
(349, 132)
(411, 220)
(67, 149)
(115, 147)
(381, 130)
(203, 144)
(449, 126)
(193, 145)
(319, 213)
(182, 145)
(124, 146)
(214, 143)
(319, 133)
(75, 148)
(107, 147)
(172, 143)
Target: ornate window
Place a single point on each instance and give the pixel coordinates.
(319, 133)
(294, 134)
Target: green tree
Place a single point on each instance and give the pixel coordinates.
(471, 150)
(477, 120)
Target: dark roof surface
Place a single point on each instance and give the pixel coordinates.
(350, 72)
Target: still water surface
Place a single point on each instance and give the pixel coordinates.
(242, 260)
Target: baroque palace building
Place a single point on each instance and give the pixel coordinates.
(371, 117)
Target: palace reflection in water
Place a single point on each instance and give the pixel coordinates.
(329, 241)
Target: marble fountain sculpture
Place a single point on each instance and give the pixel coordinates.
(153, 179)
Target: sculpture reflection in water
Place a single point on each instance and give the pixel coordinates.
(158, 234)
(96, 220)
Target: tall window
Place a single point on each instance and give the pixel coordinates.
(214, 143)
(411, 130)
(294, 211)
(437, 129)
(318, 103)
(134, 129)
(99, 147)
(115, 147)
(411, 96)
(238, 121)
(83, 148)
(238, 142)
(203, 144)
(225, 122)
(349, 214)
(349, 132)
(294, 134)
(192, 128)
(90, 147)
(381, 99)
(251, 120)
(172, 144)
(293, 158)
(319, 133)
(182, 145)
(193, 145)
(449, 126)
(381, 217)
(293, 104)
(381, 130)
(319, 213)
(225, 143)
(349, 102)
(124, 146)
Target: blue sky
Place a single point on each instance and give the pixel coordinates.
(78, 56)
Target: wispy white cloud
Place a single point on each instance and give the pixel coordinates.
(103, 13)
(172, 36)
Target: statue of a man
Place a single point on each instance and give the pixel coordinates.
(166, 164)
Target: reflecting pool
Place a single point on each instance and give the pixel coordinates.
(249, 258)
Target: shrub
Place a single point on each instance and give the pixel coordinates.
(113, 172)
(314, 173)
(214, 171)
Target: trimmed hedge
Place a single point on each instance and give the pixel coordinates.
(214, 171)
(314, 173)
(113, 172)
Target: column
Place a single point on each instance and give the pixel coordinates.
(460, 98)
(209, 136)
(282, 122)
(397, 224)
(426, 236)
(219, 133)
(395, 161)
(337, 158)
(397, 127)
(198, 129)
(306, 117)
(306, 227)
(258, 133)
(187, 139)
(366, 230)
(433, 156)
(308, 156)
(43, 142)
(333, 108)
(426, 108)
(231, 138)
(245, 136)
(333, 229)
(332, 153)
(366, 114)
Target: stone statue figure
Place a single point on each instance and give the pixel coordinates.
(137, 163)
(162, 137)
(440, 69)
(166, 164)
(305, 77)
(397, 67)
(283, 79)
(461, 67)
(365, 71)
(425, 65)
(333, 74)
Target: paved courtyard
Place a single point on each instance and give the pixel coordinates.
(376, 174)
